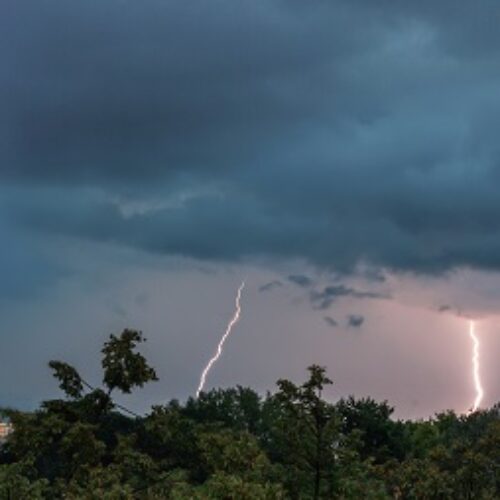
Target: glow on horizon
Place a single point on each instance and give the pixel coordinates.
(475, 367)
(230, 325)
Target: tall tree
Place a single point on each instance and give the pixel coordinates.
(303, 433)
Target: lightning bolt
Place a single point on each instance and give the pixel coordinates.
(230, 325)
(475, 367)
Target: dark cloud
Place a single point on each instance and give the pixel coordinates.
(330, 321)
(270, 286)
(336, 132)
(300, 280)
(447, 308)
(375, 275)
(355, 320)
(325, 298)
(444, 308)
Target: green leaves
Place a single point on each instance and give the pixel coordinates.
(16, 482)
(304, 433)
(234, 444)
(124, 368)
(69, 379)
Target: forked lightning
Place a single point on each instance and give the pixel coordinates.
(475, 367)
(230, 325)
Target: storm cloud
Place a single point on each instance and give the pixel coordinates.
(300, 280)
(338, 132)
(271, 285)
(326, 297)
(355, 320)
(330, 321)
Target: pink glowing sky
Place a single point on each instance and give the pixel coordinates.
(406, 350)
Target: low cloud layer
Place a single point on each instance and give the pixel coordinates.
(326, 297)
(334, 132)
(300, 280)
(271, 285)
(330, 321)
(355, 320)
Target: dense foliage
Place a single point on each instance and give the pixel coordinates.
(234, 444)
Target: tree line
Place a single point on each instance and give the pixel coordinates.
(235, 444)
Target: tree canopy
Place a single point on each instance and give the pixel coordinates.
(236, 444)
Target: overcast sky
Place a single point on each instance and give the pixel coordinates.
(343, 156)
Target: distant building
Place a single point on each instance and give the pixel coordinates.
(5, 430)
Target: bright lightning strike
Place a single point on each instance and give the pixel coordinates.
(475, 367)
(230, 325)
